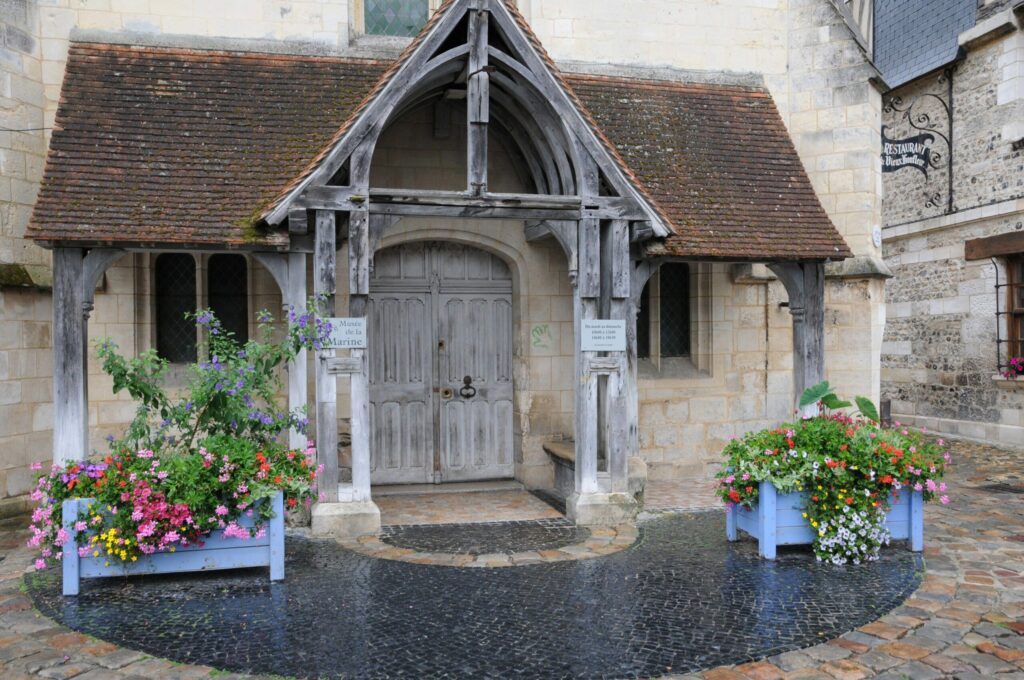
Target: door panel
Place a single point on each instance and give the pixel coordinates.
(399, 330)
(476, 441)
(440, 312)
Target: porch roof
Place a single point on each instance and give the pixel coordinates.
(165, 146)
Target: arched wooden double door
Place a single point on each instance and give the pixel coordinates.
(440, 338)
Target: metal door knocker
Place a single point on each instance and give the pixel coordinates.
(467, 391)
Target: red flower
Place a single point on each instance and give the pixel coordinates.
(734, 495)
(292, 502)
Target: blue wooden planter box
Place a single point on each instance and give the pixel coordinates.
(778, 520)
(216, 552)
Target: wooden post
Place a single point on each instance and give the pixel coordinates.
(70, 397)
(477, 103)
(805, 286)
(916, 521)
(640, 275)
(295, 297)
(358, 291)
(289, 272)
(621, 392)
(324, 259)
(585, 307)
(70, 558)
(767, 515)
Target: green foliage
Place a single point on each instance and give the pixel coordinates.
(823, 394)
(867, 408)
(815, 393)
(232, 392)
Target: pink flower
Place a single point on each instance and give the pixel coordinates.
(83, 551)
(171, 537)
(36, 466)
(942, 486)
(80, 525)
(944, 500)
(145, 453)
(940, 442)
(918, 487)
(40, 564)
(221, 510)
(932, 486)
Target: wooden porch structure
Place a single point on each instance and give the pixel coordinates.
(586, 198)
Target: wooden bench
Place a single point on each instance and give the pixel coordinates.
(563, 455)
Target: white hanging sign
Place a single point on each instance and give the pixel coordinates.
(603, 335)
(347, 333)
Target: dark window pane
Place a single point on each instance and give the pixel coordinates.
(675, 310)
(227, 290)
(403, 18)
(175, 282)
(643, 324)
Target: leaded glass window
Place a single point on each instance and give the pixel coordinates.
(674, 283)
(672, 323)
(175, 287)
(228, 293)
(402, 18)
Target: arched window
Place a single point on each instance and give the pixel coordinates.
(670, 324)
(175, 294)
(227, 287)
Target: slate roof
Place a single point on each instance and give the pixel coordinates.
(164, 146)
(913, 37)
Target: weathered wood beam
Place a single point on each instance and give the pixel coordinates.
(95, 264)
(477, 103)
(373, 118)
(536, 113)
(462, 204)
(289, 273)
(360, 256)
(325, 288)
(620, 425)
(530, 138)
(805, 286)
(298, 221)
(540, 76)
(70, 391)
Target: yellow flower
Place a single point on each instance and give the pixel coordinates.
(95, 553)
(172, 548)
(134, 558)
(805, 515)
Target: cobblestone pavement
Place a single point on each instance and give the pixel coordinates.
(495, 544)
(664, 495)
(965, 620)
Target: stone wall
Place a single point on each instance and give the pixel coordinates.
(940, 359)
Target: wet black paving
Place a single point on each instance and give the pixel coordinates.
(681, 599)
(486, 537)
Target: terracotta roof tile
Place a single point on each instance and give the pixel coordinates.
(719, 162)
(158, 145)
(172, 146)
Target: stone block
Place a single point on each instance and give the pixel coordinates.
(346, 520)
(601, 509)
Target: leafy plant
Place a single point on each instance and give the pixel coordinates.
(825, 395)
(233, 391)
(186, 466)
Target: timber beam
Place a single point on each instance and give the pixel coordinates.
(467, 204)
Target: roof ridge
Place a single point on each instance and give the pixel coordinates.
(107, 47)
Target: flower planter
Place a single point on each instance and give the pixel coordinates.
(217, 552)
(778, 520)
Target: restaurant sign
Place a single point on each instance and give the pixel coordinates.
(910, 152)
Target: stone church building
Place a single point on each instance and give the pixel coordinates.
(486, 182)
(954, 214)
